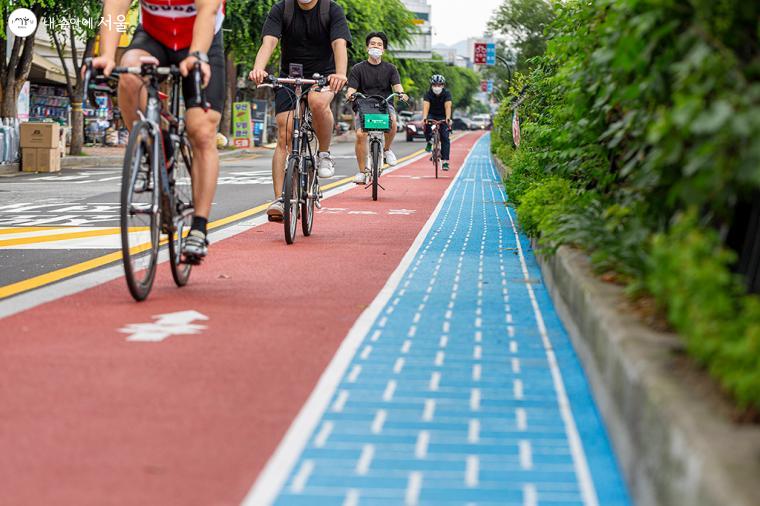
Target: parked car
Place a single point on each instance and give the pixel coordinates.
(481, 122)
(461, 124)
(414, 128)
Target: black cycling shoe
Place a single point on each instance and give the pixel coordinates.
(195, 247)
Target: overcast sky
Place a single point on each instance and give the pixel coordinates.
(455, 20)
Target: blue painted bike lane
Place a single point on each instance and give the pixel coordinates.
(465, 388)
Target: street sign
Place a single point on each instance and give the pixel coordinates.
(491, 53)
(489, 86)
(484, 86)
(481, 53)
(241, 124)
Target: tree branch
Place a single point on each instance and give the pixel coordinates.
(74, 57)
(59, 50)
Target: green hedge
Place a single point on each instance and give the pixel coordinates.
(640, 132)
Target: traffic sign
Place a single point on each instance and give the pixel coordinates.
(491, 53)
(481, 53)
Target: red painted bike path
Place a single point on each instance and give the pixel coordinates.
(87, 417)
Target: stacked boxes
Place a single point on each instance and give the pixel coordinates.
(40, 147)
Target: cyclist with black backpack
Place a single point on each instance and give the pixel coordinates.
(315, 34)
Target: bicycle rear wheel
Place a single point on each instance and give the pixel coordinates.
(182, 186)
(310, 198)
(436, 159)
(140, 214)
(291, 200)
(376, 161)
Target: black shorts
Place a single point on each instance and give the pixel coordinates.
(215, 89)
(284, 100)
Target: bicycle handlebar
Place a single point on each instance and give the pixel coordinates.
(388, 99)
(275, 82)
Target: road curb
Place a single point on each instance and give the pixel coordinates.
(670, 426)
(97, 162)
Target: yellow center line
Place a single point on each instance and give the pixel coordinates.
(82, 267)
(60, 237)
(23, 230)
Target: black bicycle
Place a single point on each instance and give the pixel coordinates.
(435, 129)
(300, 191)
(156, 188)
(375, 119)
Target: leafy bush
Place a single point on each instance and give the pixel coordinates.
(648, 110)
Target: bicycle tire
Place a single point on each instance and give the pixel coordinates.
(436, 157)
(291, 200)
(139, 154)
(183, 209)
(307, 205)
(376, 161)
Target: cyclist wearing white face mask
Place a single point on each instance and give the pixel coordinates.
(437, 106)
(375, 77)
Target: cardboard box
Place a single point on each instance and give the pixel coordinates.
(40, 135)
(29, 159)
(48, 160)
(41, 159)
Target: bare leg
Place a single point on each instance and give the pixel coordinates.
(361, 149)
(132, 94)
(284, 132)
(389, 136)
(319, 103)
(201, 128)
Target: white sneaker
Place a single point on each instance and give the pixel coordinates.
(326, 165)
(360, 178)
(276, 210)
(390, 158)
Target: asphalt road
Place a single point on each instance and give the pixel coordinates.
(83, 204)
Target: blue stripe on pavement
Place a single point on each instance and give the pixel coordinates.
(451, 397)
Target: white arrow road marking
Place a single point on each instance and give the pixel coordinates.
(166, 325)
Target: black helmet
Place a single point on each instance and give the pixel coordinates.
(437, 79)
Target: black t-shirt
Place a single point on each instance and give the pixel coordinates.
(306, 41)
(374, 79)
(438, 103)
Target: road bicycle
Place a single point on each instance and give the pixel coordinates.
(156, 187)
(300, 191)
(435, 154)
(375, 119)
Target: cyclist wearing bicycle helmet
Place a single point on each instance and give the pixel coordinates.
(375, 77)
(176, 32)
(437, 106)
(314, 33)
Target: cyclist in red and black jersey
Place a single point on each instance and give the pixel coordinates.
(177, 32)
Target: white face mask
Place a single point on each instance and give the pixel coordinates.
(304, 1)
(375, 52)
(437, 90)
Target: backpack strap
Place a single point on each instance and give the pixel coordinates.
(324, 13)
(290, 11)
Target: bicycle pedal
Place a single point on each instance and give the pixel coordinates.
(192, 260)
(275, 219)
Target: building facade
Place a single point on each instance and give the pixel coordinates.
(421, 45)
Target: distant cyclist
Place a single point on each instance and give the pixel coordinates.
(315, 34)
(176, 32)
(375, 77)
(437, 106)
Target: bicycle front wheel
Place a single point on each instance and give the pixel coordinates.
(377, 160)
(291, 199)
(140, 213)
(310, 197)
(182, 186)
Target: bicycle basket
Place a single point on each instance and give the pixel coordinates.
(373, 115)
